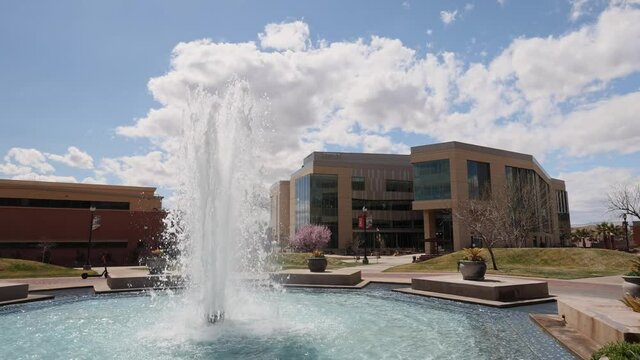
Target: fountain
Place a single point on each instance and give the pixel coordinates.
(222, 198)
(223, 212)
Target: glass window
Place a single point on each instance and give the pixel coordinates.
(479, 179)
(357, 183)
(432, 180)
(73, 204)
(526, 182)
(317, 203)
(399, 186)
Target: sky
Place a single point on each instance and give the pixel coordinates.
(96, 92)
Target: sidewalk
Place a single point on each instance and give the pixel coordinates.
(99, 283)
(602, 287)
(609, 287)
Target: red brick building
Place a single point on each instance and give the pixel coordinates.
(51, 222)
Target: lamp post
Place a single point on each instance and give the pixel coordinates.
(87, 265)
(365, 260)
(626, 229)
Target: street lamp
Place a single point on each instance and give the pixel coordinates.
(87, 265)
(365, 260)
(626, 229)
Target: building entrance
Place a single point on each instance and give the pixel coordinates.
(444, 230)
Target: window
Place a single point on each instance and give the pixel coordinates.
(73, 204)
(526, 182)
(563, 203)
(317, 203)
(479, 179)
(432, 180)
(357, 183)
(399, 186)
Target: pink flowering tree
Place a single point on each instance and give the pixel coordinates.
(310, 237)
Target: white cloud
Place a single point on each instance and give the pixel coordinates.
(153, 169)
(40, 177)
(406, 4)
(578, 8)
(74, 158)
(468, 7)
(429, 32)
(352, 93)
(31, 164)
(31, 158)
(588, 192)
(558, 68)
(13, 169)
(610, 125)
(383, 145)
(502, 2)
(448, 17)
(285, 36)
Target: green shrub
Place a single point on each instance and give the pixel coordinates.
(618, 351)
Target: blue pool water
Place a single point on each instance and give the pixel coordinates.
(374, 323)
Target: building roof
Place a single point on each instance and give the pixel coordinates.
(345, 158)
(477, 148)
(6, 184)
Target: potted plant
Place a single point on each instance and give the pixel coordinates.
(156, 262)
(631, 285)
(317, 262)
(472, 266)
(312, 238)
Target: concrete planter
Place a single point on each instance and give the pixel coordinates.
(631, 285)
(156, 265)
(472, 270)
(317, 264)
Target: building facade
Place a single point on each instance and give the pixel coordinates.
(449, 173)
(332, 189)
(412, 199)
(279, 222)
(51, 222)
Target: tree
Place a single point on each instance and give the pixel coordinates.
(480, 216)
(311, 237)
(625, 199)
(46, 250)
(356, 242)
(508, 217)
(582, 235)
(606, 231)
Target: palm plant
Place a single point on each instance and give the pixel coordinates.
(606, 232)
(582, 235)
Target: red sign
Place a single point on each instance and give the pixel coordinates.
(362, 220)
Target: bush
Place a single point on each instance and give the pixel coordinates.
(310, 237)
(618, 351)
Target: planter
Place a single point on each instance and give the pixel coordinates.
(631, 286)
(472, 270)
(317, 264)
(156, 265)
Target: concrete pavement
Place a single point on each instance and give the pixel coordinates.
(602, 287)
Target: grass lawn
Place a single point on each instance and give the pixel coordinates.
(16, 268)
(559, 263)
(299, 261)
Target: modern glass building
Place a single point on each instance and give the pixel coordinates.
(333, 188)
(412, 200)
(448, 173)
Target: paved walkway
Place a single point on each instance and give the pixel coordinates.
(99, 283)
(609, 287)
(601, 287)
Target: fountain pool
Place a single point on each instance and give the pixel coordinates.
(374, 323)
